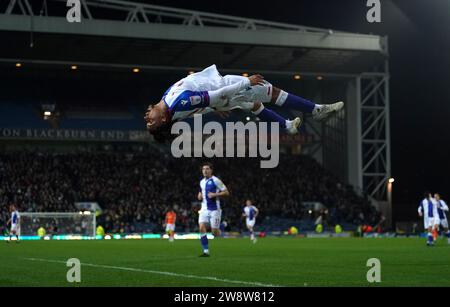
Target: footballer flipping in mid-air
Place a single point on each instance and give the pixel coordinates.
(207, 91)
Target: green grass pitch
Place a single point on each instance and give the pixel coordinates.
(233, 262)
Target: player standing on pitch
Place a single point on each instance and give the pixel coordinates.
(171, 218)
(212, 190)
(250, 214)
(428, 210)
(15, 223)
(441, 208)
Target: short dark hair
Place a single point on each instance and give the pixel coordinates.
(208, 164)
(426, 194)
(163, 134)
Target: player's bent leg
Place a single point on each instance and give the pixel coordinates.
(171, 235)
(270, 116)
(430, 240)
(435, 232)
(12, 233)
(319, 112)
(216, 217)
(250, 226)
(258, 95)
(258, 109)
(252, 236)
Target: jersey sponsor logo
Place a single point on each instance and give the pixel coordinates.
(195, 100)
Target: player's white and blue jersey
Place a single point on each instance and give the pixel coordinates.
(183, 103)
(214, 185)
(207, 91)
(441, 207)
(250, 212)
(429, 208)
(15, 217)
(190, 96)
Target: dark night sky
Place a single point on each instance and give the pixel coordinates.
(419, 44)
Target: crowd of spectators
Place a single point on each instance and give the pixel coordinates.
(135, 189)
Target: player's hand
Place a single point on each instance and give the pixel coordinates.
(212, 195)
(256, 80)
(420, 214)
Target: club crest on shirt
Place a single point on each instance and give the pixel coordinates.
(195, 100)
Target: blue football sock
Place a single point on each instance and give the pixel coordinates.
(295, 102)
(430, 238)
(204, 241)
(270, 116)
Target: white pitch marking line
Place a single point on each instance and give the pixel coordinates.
(161, 273)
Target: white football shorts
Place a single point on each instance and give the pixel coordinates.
(170, 227)
(15, 228)
(211, 217)
(430, 222)
(250, 223)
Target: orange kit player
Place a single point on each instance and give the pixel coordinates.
(171, 218)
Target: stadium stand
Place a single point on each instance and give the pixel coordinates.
(135, 188)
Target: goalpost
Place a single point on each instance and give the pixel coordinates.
(81, 223)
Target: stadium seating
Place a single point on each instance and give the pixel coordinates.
(134, 189)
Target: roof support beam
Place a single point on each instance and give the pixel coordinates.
(279, 38)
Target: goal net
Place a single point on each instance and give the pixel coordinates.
(58, 223)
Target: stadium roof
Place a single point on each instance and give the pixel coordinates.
(114, 33)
